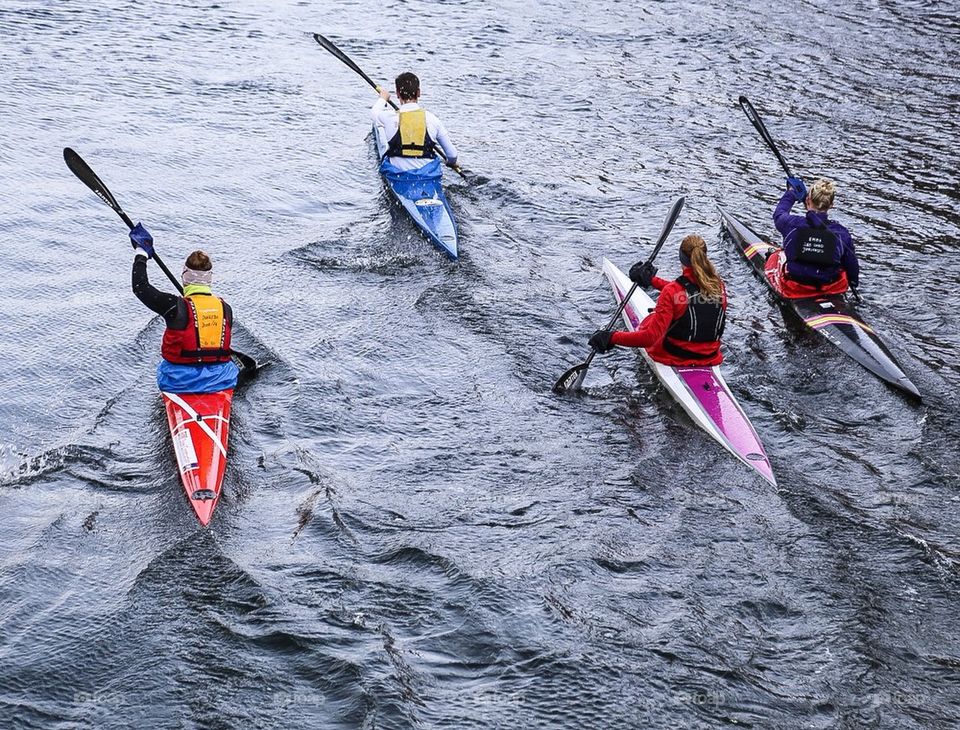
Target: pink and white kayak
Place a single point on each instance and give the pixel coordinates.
(199, 425)
(701, 391)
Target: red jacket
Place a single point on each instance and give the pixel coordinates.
(671, 306)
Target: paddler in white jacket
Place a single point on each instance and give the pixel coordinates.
(412, 133)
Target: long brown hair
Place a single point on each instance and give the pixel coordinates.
(709, 281)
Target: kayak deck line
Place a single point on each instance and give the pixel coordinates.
(700, 390)
(199, 427)
(424, 201)
(201, 421)
(830, 315)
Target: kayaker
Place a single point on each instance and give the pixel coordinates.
(818, 256)
(413, 133)
(686, 325)
(196, 343)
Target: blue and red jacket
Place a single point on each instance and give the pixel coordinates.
(653, 334)
(845, 257)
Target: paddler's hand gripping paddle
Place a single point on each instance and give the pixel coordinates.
(89, 178)
(573, 378)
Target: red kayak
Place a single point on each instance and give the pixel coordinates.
(199, 425)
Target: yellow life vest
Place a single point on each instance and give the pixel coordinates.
(206, 338)
(209, 320)
(412, 138)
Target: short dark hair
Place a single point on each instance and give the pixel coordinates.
(199, 261)
(408, 86)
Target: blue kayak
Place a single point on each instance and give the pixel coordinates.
(420, 192)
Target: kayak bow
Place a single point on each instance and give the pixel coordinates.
(701, 390)
(423, 199)
(832, 316)
(199, 425)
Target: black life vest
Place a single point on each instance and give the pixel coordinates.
(703, 321)
(817, 246)
(412, 138)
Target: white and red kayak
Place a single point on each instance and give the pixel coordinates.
(701, 390)
(199, 425)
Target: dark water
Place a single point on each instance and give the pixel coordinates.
(414, 531)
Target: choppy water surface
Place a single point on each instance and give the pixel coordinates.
(415, 532)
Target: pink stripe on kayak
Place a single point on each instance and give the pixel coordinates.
(718, 403)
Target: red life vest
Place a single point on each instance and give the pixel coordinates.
(206, 336)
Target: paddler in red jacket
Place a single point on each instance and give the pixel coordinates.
(196, 343)
(686, 326)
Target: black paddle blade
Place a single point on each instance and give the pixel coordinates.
(331, 46)
(752, 115)
(758, 124)
(88, 177)
(246, 363)
(668, 224)
(572, 379)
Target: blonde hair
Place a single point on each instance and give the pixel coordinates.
(710, 283)
(822, 193)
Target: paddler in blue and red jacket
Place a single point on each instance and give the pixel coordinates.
(818, 256)
(196, 343)
(686, 326)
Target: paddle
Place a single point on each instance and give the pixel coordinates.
(329, 45)
(758, 124)
(573, 378)
(89, 178)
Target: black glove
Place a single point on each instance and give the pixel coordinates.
(642, 273)
(600, 340)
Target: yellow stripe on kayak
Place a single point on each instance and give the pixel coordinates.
(825, 320)
(750, 250)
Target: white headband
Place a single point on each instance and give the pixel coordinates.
(194, 276)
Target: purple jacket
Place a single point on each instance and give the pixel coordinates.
(805, 273)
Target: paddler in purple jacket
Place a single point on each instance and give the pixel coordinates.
(818, 256)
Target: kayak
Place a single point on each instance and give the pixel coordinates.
(199, 425)
(420, 192)
(700, 390)
(832, 316)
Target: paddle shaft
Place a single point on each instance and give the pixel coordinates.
(758, 124)
(330, 46)
(79, 167)
(610, 326)
(623, 302)
(581, 370)
(156, 256)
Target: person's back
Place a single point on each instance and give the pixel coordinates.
(195, 348)
(413, 134)
(685, 327)
(817, 252)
